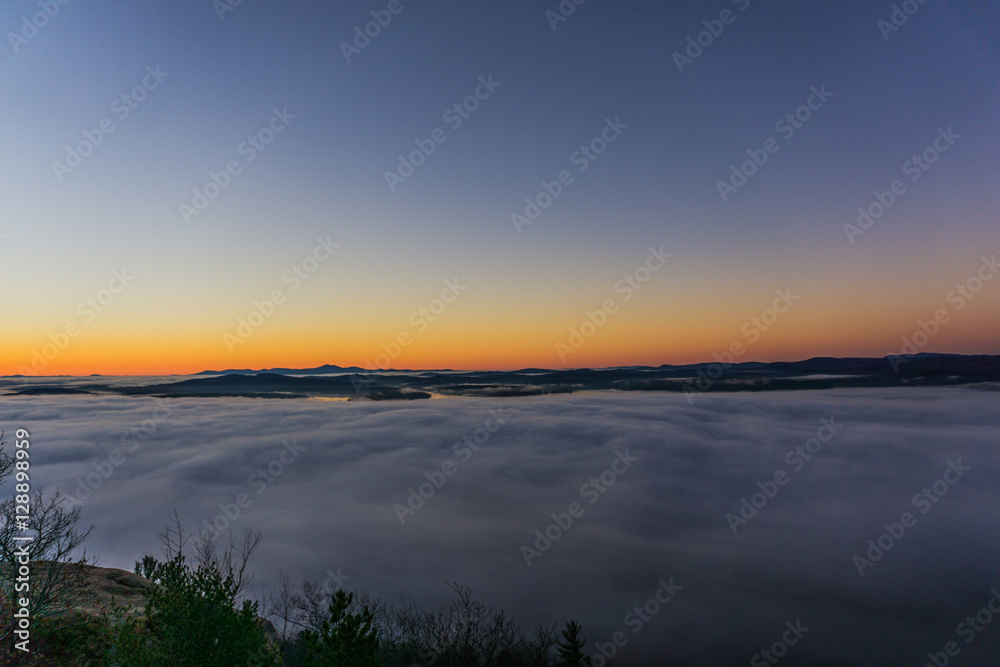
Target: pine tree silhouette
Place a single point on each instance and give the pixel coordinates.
(344, 639)
(571, 648)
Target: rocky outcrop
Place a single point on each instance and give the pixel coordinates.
(106, 585)
(93, 589)
(99, 588)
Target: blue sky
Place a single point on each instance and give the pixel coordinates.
(657, 184)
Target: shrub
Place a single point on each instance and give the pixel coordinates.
(343, 638)
(191, 620)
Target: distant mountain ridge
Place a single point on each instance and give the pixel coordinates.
(812, 365)
(336, 382)
(319, 370)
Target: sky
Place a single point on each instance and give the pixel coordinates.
(656, 482)
(197, 185)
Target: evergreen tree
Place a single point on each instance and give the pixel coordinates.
(343, 638)
(570, 648)
(191, 620)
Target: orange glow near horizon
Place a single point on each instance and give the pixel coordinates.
(668, 322)
(628, 340)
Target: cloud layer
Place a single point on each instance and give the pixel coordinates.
(327, 482)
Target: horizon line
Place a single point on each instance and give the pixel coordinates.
(498, 370)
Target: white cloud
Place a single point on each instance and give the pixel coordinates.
(333, 505)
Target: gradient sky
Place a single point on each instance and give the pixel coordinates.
(656, 184)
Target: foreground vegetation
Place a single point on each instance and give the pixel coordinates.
(197, 612)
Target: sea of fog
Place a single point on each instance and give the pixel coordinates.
(653, 487)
